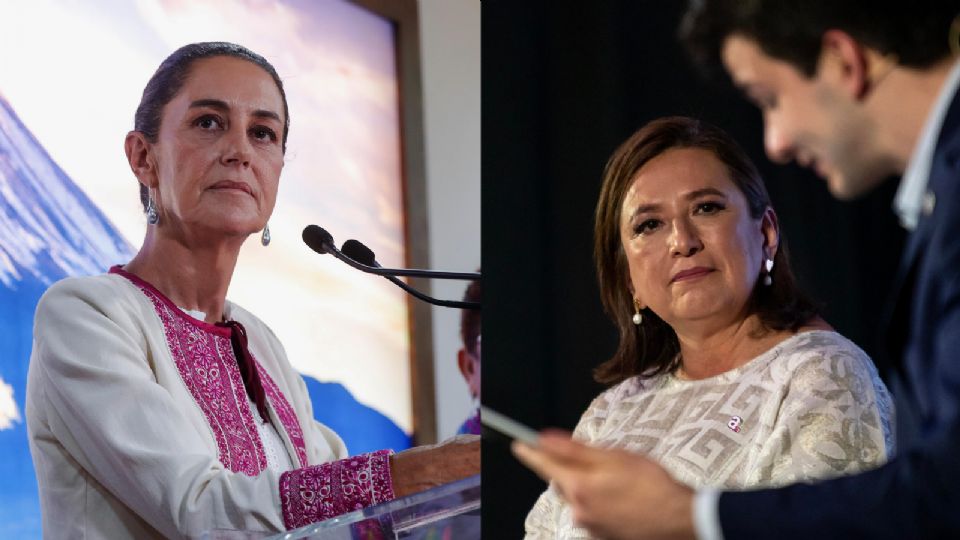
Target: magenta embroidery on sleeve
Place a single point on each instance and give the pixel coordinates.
(204, 358)
(321, 492)
(285, 413)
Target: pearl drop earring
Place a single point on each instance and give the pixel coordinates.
(768, 279)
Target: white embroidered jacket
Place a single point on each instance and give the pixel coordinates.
(140, 427)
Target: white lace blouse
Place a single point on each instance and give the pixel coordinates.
(812, 407)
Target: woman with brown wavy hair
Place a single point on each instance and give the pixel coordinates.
(724, 373)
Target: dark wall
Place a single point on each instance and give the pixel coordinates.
(563, 85)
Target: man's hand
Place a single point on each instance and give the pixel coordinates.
(424, 467)
(613, 493)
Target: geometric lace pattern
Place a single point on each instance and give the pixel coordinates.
(810, 408)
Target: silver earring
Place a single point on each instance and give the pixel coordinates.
(152, 217)
(768, 279)
(265, 235)
(637, 316)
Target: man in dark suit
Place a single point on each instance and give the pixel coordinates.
(858, 92)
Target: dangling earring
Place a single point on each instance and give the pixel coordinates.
(265, 235)
(637, 317)
(152, 217)
(768, 279)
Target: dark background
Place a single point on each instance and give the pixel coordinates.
(563, 85)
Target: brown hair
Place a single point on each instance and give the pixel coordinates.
(652, 347)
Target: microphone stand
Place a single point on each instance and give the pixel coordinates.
(321, 241)
(428, 299)
(365, 257)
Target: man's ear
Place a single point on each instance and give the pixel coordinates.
(140, 158)
(468, 368)
(465, 364)
(845, 63)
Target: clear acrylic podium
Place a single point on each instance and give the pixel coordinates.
(450, 511)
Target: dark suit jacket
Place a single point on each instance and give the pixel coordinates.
(917, 494)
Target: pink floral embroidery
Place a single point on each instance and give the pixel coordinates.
(204, 357)
(205, 360)
(285, 413)
(321, 492)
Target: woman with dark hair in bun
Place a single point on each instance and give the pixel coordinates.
(155, 406)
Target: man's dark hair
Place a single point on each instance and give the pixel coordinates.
(170, 77)
(917, 32)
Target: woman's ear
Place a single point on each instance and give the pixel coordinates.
(770, 230)
(636, 301)
(140, 158)
(633, 294)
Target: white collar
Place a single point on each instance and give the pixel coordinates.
(911, 194)
(196, 314)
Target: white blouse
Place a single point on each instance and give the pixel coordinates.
(812, 407)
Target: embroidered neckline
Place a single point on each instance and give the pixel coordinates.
(138, 281)
(208, 367)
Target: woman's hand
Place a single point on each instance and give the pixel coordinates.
(424, 467)
(613, 493)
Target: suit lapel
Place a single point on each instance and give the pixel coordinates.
(941, 183)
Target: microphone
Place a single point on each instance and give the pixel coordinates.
(318, 239)
(360, 253)
(321, 241)
(365, 256)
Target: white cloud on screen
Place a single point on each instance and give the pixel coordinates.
(9, 413)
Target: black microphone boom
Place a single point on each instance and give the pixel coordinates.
(321, 241)
(365, 256)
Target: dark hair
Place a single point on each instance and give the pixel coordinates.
(470, 318)
(917, 33)
(170, 77)
(652, 347)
